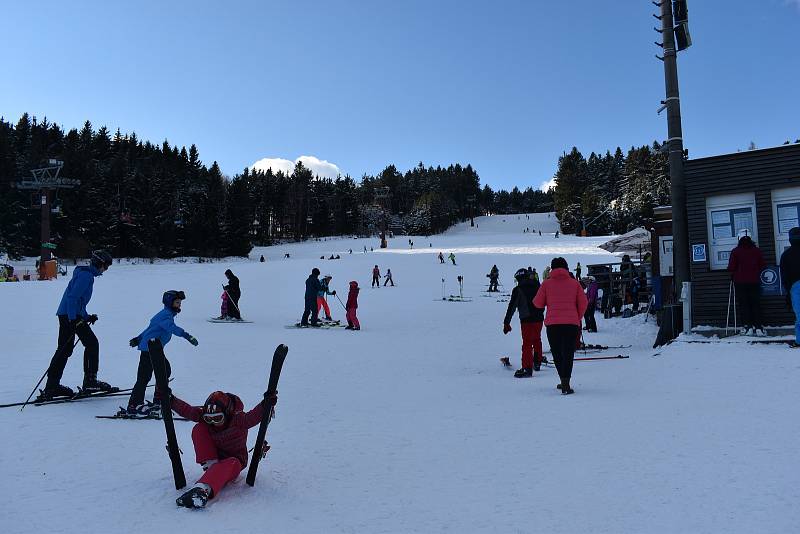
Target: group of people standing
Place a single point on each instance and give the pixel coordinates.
(315, 301)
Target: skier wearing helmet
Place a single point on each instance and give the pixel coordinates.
(73, 319)
(161, 328)
(322, 303)
(530, 322)
(352, 306)
(220, 441)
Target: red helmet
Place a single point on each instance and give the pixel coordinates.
(217, 408)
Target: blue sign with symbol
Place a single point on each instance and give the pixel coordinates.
(771, 281)
(699, 252)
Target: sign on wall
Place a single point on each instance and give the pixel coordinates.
(665, 265)
(699, 252)
(771, 281)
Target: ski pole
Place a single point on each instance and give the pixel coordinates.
(735, 323)
(45, 374)
(728, 316)
(442, 288)
(231, 301)
(617, 357)
(340, 302)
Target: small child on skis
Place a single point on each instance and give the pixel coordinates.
(223, 309)
(352, 306)
(161, 328)
(220, 441)
(322, 303)
(388, 278)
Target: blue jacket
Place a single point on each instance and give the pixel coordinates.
(161, 326)
(313, 287)
(78, 292)
(324, 289)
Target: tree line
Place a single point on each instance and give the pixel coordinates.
(139, 199)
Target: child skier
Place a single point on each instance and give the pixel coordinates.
(220, 441)
(322, 303)
(530, 322)
(388, 278)
(352, 306)
(452, 258)
(162, 326)
(223, 309)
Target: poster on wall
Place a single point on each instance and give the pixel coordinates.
(728, 217)
(665, 263)
(699, 252)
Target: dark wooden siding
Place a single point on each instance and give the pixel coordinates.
(756, 171)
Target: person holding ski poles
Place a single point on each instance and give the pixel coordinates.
(234, 294)
(352, 306)
(376, 277)
(220, 441)
(73, 319)
(322, 303)
(566, 303)
(745, 265)
(388, 278)
(530, 322)
(313, 287)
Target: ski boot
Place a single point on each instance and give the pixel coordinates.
(92, 385)
(54, 392)
(525, 372)
(197, 497)
(565, 388)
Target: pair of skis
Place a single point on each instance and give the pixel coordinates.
(159, 368)
(77, 397)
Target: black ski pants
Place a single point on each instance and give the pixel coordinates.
(312, 310)
(66, 340)
(589, 320)
(749, 296)
(562, 339)
(143, 376)
(233, 308)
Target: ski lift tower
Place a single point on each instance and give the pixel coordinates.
(383, 196)
(45, 181)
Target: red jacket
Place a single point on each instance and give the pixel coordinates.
(746, 263)
(352, 297)
(563, 297)
(231, 440)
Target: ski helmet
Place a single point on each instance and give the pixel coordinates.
(315, 272)
(101, 258)
(217, 408)
(169, 297)
(522, 274)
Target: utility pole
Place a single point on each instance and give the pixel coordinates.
(680, 230)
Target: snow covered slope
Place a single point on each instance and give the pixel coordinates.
(410, 425)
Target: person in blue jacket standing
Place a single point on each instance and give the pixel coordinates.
(73, 319)
(162, 327)
(313, 287)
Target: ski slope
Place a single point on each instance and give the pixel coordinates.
(410, 425)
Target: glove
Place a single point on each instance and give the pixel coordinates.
(92, 318)
(191, 339)
(134, 342)
(334, 292)
(506, 328)
(272, 398)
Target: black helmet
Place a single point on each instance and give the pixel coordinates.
(522, 274)
(101, 258)
(169, 297)
(315, 272)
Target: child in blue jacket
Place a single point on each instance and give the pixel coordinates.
(162, 326)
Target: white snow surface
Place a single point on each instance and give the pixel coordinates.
(410, 425)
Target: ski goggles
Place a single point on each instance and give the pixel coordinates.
(214, 418)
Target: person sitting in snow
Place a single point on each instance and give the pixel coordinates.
(220, 441)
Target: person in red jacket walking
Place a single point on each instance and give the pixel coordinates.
(220, 441)
(352, 306)
(745, 264)
(565, 304)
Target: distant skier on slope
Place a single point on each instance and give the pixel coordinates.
(441, 258)
(74, 319)
(530, 321)
(162, 327)
(376, 276)
(494, 275)
(234, 294)
(220, 441)
(452, 257)
(388, 278)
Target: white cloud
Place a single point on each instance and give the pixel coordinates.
(319, 167)
(548, 184)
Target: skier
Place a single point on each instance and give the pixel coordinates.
(452, 257)
(220, 441)
(546, 273)
(223, 309)
(557, 234)
(234, 294)
(565, 302)
(745, 264)
(321, 301)
(162, 326)
(578, 271)
(352, 306)
(388, 278)
(540, 233)
(790, 275)
(441, 258)
(73, 319)
(591, 297)
(534, 274)
(262, 260)
(530, 322)
(376, 277)
(494, 274)
(313, 287)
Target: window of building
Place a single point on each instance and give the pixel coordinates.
(785, 216)
(729, 217)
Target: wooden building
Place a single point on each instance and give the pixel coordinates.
(757, 191)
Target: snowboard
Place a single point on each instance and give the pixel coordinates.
(158, 362)
(272, 386)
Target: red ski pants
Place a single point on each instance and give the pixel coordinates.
(352, 319)
(531, 343)
(323, 304)
(221, 472)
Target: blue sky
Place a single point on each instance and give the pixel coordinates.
(504, 85)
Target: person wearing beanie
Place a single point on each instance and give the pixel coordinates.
(563, 298)
(313, 287)
(790, 276)
(745, 265)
